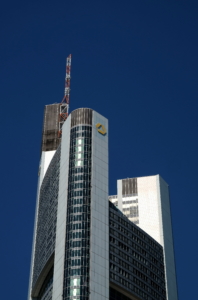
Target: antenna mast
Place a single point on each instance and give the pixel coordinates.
(64, 106)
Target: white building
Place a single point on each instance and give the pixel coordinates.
(77, 236)
(70, 255)
(145, 201)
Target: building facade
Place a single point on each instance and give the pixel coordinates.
(136, 260)
(85, 248)
(70, 257)
(145, 201)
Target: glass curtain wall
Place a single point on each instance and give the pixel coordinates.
(77, 249)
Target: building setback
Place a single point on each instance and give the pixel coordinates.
(85, 248)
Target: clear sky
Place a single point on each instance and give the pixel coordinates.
(133, 61)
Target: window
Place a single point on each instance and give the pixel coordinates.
(79, 156)
(75, 282)
(79, 149)
(78, 163)
(74, 292)
(80, 141)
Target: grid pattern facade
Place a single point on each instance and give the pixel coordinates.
(129, 187)
(136, 260)
(77, 249)
(47, 217)
(50, 139)
(130, 206)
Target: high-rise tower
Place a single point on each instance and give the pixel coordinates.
(71, 225)
(145, 201)
(86, 247)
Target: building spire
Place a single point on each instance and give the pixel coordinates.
(64, 106)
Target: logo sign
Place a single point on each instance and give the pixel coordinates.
(101, 129)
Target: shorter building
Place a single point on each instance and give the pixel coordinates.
(145, 201)
(136, 261)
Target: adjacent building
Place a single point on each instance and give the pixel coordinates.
(84, 247)
(145, 201)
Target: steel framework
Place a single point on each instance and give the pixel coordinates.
(64, 105)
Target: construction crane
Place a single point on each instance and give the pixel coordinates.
(64, 105)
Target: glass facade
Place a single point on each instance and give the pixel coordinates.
(136, 260)
(47, 217)
(77, 249)
(85, 250)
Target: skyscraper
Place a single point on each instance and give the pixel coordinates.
(145, 201)
(83, 246)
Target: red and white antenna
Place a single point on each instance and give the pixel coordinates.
(64, 106)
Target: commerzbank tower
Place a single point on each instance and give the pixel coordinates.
(88, 245)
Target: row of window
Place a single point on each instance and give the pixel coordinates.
(74, 291)
(120, 253)
(119, 261)
(130, 195)
(131, 209)
(139, 241)
(78, 201)
(76, 142)
(76, 218)
(156, 270)
(79, 271)
(75, 170)
(79, 262)
(129, 201)
(79, 226)
(119, 227)
(78, 252)
(80, 163)
(84, 192)
(141, 250)
(80, 177)
(142, 260)
(80, 185)
(76, 281)
(79, 209)
(81, 155)
(155, 277)
(78, 234)
(84, 149)
(78, 244)
(120, 271)
(140, 274)
(81, 127)
(81, 134)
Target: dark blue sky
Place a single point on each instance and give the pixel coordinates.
(135, 62)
